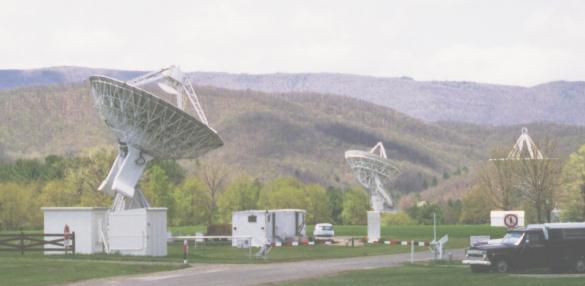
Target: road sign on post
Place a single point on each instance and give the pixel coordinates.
(508, 219)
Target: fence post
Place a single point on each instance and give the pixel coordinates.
(185, 251)
(412, 251)
(73, 242)
(21, 243)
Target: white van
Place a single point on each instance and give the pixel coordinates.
(323, 231)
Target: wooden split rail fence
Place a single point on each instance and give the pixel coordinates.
(58, 242)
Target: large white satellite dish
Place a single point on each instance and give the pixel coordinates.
(148, 127)
(371, 169)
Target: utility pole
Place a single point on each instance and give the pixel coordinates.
(435, 226)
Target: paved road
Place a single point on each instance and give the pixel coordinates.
(254, 274)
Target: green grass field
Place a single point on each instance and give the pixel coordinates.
(436, 275)
(16, 270)
(223, 253)
(34, 268)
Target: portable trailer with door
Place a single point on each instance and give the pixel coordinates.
(268, 226)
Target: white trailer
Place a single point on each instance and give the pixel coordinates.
(268, 226)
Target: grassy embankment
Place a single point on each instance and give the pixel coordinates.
(33, 270)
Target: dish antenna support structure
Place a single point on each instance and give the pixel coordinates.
(148, 127)
(523, 149)
(372, 169)
(524, 145)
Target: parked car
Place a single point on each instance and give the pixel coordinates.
(323, 231)
(558, 246)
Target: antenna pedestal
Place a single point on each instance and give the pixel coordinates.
(373, 226)
(147, 126)
(123, 177)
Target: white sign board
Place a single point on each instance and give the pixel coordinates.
(508, 219)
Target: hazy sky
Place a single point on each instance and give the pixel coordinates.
(513, 42)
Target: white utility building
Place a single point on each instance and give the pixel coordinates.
(140, 231)
(268, 226)
(85, 222)
(130, 232)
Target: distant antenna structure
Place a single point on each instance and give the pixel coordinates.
(371, 169)
(148, 127)
(523, 149)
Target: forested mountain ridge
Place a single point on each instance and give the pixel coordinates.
(478, 103)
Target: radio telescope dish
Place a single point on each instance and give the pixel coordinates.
(524, 145)
(371, 169)
(524, 149)
(148, 127)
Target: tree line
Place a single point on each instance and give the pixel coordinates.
(207, 197)
(537, 186)
(210, 195)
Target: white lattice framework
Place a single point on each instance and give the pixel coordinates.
(372, 169)
(524, 145)
(523, 149)
(148, 123)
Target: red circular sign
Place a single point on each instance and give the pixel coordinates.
(511, 220)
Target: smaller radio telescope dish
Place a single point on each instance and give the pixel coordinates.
(524, 149)
(372, 169)
(148, 127)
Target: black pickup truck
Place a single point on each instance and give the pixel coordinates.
(558, 246)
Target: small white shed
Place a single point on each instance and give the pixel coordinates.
(268, 226)
(138, 231)
(84, 221)
(128, 232)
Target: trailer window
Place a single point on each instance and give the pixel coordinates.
(252, 218)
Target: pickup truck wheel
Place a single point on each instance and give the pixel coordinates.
(502, 266)
(579, 265)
